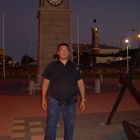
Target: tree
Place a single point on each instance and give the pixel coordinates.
(26, 59)
(8, 60)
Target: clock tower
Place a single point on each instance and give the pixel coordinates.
(54, 27)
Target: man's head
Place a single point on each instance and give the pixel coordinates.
(63, 44)
(63, 51)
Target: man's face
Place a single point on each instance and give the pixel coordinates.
(63, 53)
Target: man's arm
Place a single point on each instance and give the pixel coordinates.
(81, 87)
(45, 85)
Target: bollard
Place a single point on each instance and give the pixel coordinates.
(101, 78)
(31, 87)
(97, 86)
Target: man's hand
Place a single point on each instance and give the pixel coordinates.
(44, 104)
(82, 105)
(45, 85)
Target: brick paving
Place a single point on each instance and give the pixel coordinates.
(21, 117)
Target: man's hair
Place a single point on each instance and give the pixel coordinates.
(63, 44)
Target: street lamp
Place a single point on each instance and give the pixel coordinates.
(127, 47)
(138, 40)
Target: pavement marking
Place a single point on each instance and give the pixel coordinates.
(18, 121)
(20, 127)
(35, 130)
(40, 137)
(35, 123)
(28, 128)
(18, 135)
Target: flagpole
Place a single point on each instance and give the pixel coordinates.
(3, 40)
(78, 39)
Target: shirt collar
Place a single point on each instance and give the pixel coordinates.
(68, 62)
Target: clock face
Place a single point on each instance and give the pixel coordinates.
(55, 2)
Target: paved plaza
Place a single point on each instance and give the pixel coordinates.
(21, 117)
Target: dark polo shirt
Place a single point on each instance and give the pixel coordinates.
(63, 79)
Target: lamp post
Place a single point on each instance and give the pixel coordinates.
(78, 38)
(3, 40)
(138, 45)
(127, 51)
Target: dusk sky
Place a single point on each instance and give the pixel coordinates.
(114, 18)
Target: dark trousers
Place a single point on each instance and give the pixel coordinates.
(53, 114)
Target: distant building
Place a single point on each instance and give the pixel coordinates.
(101, 56)
(106, 50)
(1, 51)
(95, 52)
(100, 51)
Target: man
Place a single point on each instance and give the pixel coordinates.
(61, 79)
